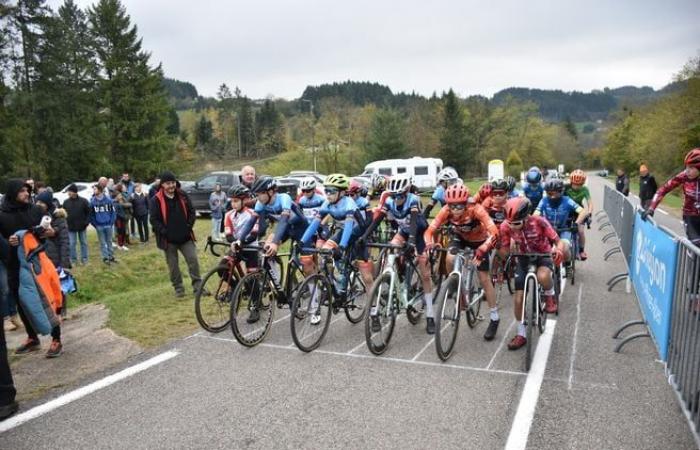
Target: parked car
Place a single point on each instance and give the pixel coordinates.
(200, 190)
(306, 173)
(84, 190)
(286, 182)
(423, 170)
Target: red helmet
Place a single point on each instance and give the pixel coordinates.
(578, 176)
(485, 191)
(457, 193)
(517, 208)
(355, 187)
(693, 158)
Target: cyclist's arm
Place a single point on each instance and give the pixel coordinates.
(377, 217)
(485, 219)
(311, 230)
(347, 230)
(428, 208)
(281, 227)
(435, 225)
(538, 209)
(665, 189)
(504, 238)
(413, 224)
(249, 224)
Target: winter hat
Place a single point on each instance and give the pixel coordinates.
(46, 197)
(72, 188)
(167, 176)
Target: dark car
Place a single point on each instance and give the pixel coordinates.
(201, 189)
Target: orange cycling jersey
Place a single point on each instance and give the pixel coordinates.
(474, 225)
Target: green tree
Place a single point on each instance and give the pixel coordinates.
(570, 127)
(203, 132)
(514, 165)
(386, 137)
(453, 141)
(270, 131)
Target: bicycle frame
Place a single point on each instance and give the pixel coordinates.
(392, 269)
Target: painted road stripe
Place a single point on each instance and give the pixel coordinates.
(83, 391)
(573, 345)
(662, 211)
(517, 439)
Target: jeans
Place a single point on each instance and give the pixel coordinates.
(74, 237)
(142, 222)
(104, 233)
(189, 251)
(216, 228)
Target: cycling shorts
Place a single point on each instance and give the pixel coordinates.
(521, 267)
(459, 244)
(361, 253)
(692, 228)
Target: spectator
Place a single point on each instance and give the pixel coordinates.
(172, 218)
(248, 176)
(647, 186)
(57, 249)
(78, 211)
(32, 189)
(102, 217)
(39, 187)
(217, 202)
(139, 202)
(129, 191)
(122, 206)
(154, 188)
(8, 405)
(622, 184)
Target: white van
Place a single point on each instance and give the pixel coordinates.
(423, 170)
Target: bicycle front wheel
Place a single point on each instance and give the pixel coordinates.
(530, 303)
(251, 309)
(356, 304)
(213, 299)
(415, 295)
(311, 312)
(447, 320)
(381, 318)
(474, 295)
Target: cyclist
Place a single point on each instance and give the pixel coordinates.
(532, 188)
(471, 227)
(578, 192)
(495, 204)
(513, 191)
(358, 192)
(558, 209)
(234, 221)
(446, 177)
(402, 208)
(530, 234)
(309, 200)
(483, 194)
(348, 219)
(690, 180)
(377, 183)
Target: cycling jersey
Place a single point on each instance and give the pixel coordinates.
(401, 215)
(557, 212)
(310, 206)
(363, 205)
(536, 236)
(439, 195)
(691, 193)
(234, 222)
(474, 225)
(347, 218)
(578, 195)
(290, 218)
(533, 193)
(515, 193)
(496, 212)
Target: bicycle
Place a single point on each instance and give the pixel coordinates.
(381, 235)
(257, 291)
(322, 294)
(438, 265)
(397, 289)
(533, 310)
(570, 272)
(212, 300)
(459, 292)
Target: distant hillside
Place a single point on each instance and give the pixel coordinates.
(357, 92)
(183, 95)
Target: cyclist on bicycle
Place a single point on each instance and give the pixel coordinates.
(358, 192)
(532, 188)
(495, 204)
(530, 234)
(471, 227)
(578, 192)
(446, 178)
(310, 201)
(484, 193)
(513, 191)
(558, 209)
(402, 208)
(236, 219)
(689, 179)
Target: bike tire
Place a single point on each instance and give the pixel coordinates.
(356, 305)
(381, 298)
(473, 308)
(252, 294)
(307, 336)
(530, 299)
(380, 262)
(509, 275)
(212, 311)
(542, 313)
(415, 289)
(447, 319)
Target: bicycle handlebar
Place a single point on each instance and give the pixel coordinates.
(530, 255)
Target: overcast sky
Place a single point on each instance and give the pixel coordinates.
(473, 46)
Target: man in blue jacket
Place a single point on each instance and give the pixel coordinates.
(102, 217)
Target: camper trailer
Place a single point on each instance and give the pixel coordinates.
(423, 170)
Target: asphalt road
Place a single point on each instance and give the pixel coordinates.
(216, 394)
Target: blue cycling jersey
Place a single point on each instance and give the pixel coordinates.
(439, 195)
(363, 205)
(283, 210)
(346, 216)
(310, 206)
(515, 193)
(401, 215)
(533, 193)
(557, 212)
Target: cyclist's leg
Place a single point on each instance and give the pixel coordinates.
(692, 229)
(484, 275)
(565, 237)
(545, 269)
(519, 281)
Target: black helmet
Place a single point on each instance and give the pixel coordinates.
(511, 183)
(555, 185)
(499, 184)
(517, 209)
(239, 191)
(263, 184)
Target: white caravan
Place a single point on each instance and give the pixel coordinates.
(423, 170)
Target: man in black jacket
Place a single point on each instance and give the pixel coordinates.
(622, 184)
(647, 186)
(8, 405)
(78, 210)
(172, 219)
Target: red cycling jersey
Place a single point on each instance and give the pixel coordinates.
(497, 212)
(536, 236)
(691, 193)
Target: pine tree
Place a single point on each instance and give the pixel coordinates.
(269, 127)
(453, 143)
(386, 136)
(246, 127)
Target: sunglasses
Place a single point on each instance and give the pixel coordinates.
(331, 191)
(498, 193)
(398, 196)
(310, 190)
(516, 223)
(458, 206)
(550, 193)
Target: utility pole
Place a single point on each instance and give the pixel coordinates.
(313, 131)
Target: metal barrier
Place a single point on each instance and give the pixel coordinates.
(620, 216)
(683, 365)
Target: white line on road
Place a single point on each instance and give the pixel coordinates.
(662, 211)
(573, 345)
(423, 349)
(83, 391)
(358, 346)
(503, 342)
(517, 439)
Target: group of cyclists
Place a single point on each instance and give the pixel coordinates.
(538, 217)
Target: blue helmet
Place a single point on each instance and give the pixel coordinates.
(533, 175)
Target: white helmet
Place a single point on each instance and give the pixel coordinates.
(307, 183)
(399, 183)
(447, 174)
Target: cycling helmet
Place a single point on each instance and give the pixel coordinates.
(533, 175)
(555, 185)
(517, 208)
(693, 158)
(378, 182)
(399, 183)
(239, 191)
(263, 184)
(307, 184)
(578, 177)
(457, 193)
(447, 174)
(363, 191)
(499, 184)
(355, 187)
(485, 191)
(337, 180)
(511, 183)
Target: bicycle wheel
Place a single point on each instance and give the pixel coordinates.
(447, 319)
(356, 304)
(529, 299)
(509, 275)
(558, 284)
(213, 311)
(542, 313)
(383, 306)
(474, 295)
(252, 297)
(311, 312)
(414, 293)
(294, 276)
(380, 262)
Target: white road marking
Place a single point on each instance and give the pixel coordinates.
(517, 439)
(430, 342)
(573, 345)
(503, 342)
(358, 346)
(77, 394)
(662, 211)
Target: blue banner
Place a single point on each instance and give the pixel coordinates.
(653, 274)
